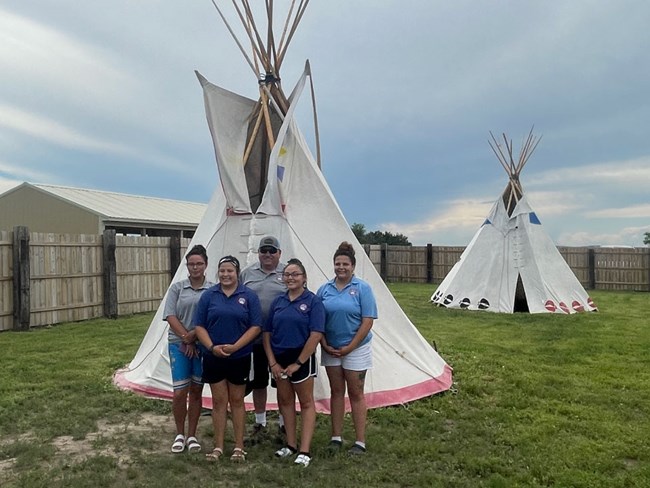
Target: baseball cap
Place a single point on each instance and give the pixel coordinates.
(269, 241)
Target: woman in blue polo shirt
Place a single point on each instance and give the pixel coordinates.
(350, 309)
(293, 329)
(228, 317)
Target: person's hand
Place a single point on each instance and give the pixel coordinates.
(328, 349)
(344, 351)
(190, 337)
(220, 351)
(276, 371)
(189, 350)
(292, 368)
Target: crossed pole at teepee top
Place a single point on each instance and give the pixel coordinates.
(265, 60)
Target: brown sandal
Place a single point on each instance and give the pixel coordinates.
(238, 455)
(215, 455)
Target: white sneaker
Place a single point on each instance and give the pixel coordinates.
(303, 460)
(284, 452)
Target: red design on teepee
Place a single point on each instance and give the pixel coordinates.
(577, 306)
(550, 306)
(564, 308)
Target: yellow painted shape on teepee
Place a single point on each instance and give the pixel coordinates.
(283, 151)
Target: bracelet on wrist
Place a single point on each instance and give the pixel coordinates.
(299, 362)
(271, 365)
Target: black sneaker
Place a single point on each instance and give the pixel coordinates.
(357, 450)
(257, 435)
(334, 446)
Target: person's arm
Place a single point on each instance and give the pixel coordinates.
(275, 368)
(188, 336)
(204, 338)
(362, 332)
(308, 349)
(247, 337)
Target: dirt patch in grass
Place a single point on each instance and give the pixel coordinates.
(146, 434)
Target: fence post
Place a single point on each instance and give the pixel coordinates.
(592, 268)
(110, 274)
(21, 278)
(383, 263)
(648, 262)
(174, 255)
(429, 263)
(366, 249)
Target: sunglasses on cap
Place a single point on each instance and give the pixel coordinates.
(267, 250)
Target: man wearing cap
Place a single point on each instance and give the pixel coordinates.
(265, 279)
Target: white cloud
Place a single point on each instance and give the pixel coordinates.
(23, 173)
(627, 236)
(52, 131)
(633, 173)
(634, 211)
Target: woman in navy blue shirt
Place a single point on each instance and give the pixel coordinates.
(294, 328)
(228, 317)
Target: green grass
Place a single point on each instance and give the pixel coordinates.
(538, 400)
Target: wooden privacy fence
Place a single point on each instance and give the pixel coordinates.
(595, 267)
(52, 278)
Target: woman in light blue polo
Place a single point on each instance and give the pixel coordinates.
(350, 309)
(184, 357)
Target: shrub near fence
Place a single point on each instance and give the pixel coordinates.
(69, 278)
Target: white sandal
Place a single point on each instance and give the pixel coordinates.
(179, 444)
(193, 444)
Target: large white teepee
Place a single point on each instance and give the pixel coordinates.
(270, 184)
(511, 264)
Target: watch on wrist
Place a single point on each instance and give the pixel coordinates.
(299, 362)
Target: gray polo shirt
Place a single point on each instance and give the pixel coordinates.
(181, 302)
(267, 286)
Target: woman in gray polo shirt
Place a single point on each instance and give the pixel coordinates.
(184, 356)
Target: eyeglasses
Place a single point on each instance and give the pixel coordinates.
(267, 250)
(195, 265)
(292, 275)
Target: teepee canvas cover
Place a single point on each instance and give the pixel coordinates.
(511, 264)
(298, 208)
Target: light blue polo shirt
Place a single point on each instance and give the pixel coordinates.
(291, 323)
(225, 318)
(344, 310)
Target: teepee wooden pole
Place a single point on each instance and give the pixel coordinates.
(241, 48)
(301, 10)
(256, 41)
(256, 129)
(313, 106)
(284, 29)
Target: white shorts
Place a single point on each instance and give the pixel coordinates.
(358, 360)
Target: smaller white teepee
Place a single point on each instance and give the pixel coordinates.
(511, 264)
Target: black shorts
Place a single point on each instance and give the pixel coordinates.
(260, 377)
(233, 370)
(307, 370)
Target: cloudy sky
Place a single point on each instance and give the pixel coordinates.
(103, 95)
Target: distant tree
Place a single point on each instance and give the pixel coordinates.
(646, 239)
(378, 237)
(359, 231)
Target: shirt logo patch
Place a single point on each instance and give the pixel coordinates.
(354, 292)
(242, 301)
(303, 307)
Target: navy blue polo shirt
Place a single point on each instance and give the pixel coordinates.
(291, 323)
(225, 318)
